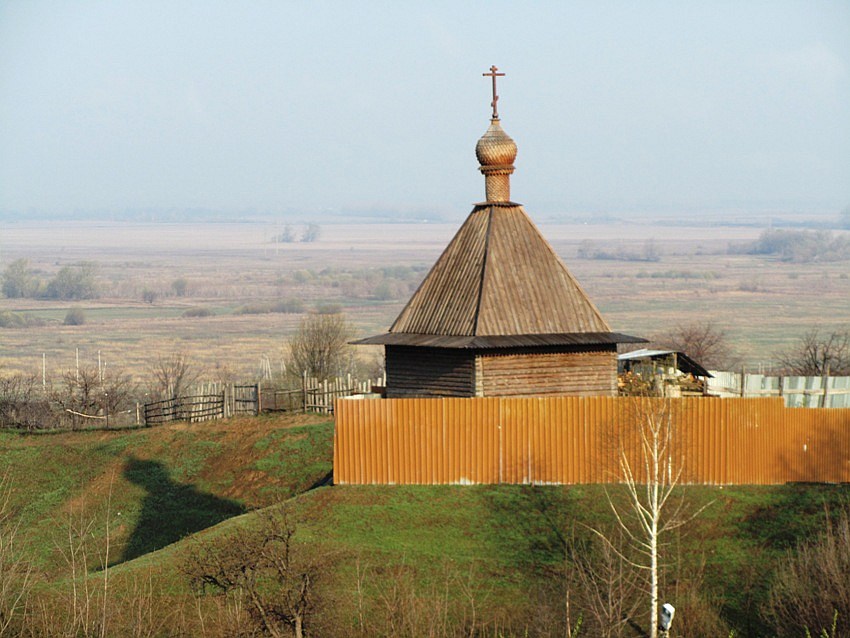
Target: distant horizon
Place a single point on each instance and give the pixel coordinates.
(803, 218)
(651, 109)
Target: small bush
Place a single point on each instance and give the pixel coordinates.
(293, 306)
(198, 312)
(811, 590)
(18, 320)
(75, 317)
(180, 287)
(329, 309)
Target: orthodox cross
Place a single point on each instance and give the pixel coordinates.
(494, 75)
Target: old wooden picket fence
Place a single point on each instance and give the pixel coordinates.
(571, 440)
(216, 400)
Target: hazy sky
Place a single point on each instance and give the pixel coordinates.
(312, 106)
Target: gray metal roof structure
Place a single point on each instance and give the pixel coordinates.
(683, 361)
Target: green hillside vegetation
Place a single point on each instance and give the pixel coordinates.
(384, 560)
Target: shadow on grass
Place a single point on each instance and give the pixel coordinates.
(529, 524)
(170, 510)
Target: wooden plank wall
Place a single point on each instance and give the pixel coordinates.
(555, 373)
(572, 440)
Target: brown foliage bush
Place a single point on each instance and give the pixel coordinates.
(812, 585)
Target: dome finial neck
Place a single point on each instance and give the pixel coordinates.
(495, 101)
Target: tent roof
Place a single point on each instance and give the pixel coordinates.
(499, 277)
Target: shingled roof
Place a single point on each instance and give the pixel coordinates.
(499, 276)
(499, 283)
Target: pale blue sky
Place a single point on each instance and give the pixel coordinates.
(622, 107)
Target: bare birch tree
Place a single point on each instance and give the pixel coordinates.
(651, 475)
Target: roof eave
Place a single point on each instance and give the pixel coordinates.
(480, 342)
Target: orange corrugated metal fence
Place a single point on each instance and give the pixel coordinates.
(568, 440)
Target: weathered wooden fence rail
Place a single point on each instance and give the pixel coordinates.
(192, 409)
(571, 440)
(218, 400)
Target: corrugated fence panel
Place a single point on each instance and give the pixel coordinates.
(568, 440)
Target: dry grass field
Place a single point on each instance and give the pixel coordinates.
(370, 270)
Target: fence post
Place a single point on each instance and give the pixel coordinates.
(825, 382)
(259, 403)
(304, 392)
(743, 382)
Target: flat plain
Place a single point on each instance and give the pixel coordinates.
(369, 270)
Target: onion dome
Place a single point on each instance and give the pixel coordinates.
(496, 152)
(495, 148)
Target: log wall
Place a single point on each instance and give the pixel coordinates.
(429, 372)
(583, 373)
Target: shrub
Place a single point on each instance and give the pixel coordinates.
(311, 233)
(198, 312)
(329, 309)
(180, 287)
(286, 237)
(18, 280)
(74, 282)
(18, 320)
(75, 317)
(811, 590)
(294, 306)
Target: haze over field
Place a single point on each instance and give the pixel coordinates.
(309, 108)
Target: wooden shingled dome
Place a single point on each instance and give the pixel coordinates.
(499, 314)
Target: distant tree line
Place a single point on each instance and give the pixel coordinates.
(648, 252)
(311, 233)
(74, 282)
(798, 246)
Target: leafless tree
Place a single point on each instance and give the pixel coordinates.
(810, 594)
(651, 467)
(263, 566)
(703, 341)
(818, 354)
(94, 391)
(320, 346)
(22, 402)
(173, 375)
(602, 584)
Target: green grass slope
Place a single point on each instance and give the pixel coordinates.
(495, 553)
(502, 549)
(155, 486)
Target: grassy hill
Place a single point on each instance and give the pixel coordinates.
(387, 560)
(159, 484)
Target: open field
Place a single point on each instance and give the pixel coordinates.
(370, 270)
